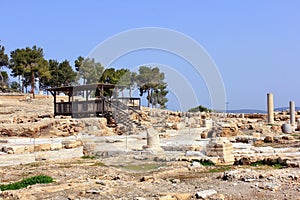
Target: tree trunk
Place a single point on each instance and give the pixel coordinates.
(1, 77)
(32, 84)
(130, 92)
(149, 98)
(20, 88)
(23, 80)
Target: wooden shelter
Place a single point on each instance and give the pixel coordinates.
(92, 100)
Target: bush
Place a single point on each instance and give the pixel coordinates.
(88, 157)
(199, 109)
(205, 162)
(274, 164)
(26, 182)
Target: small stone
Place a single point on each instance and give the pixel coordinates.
(205, 193)
(93, 191)
(167, 197)
(196, 164)
(249, 180)
(219, 197)
(147, 179)
(174, 181)
(287, 137)
(101, 182)
(268, 139)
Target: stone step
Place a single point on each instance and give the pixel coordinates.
(15, 159)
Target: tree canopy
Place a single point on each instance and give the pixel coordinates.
(29, 63)
(3, 62)
(151, 81)
(89, 70)
(61, 74)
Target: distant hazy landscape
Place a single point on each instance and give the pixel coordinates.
(250, 111)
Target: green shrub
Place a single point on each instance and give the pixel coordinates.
(199, 109)
(276, 165)
(88, 157)
(220, 169)
(258, 163)
(205, 162)
(40, 179)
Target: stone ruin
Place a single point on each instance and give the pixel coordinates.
(220, 151)
(153, 143)
(217, 136)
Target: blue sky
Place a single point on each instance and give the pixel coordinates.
(255, 44)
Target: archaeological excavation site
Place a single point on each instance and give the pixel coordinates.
(118, 149)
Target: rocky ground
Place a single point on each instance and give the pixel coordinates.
(130, 178)
(263, 168)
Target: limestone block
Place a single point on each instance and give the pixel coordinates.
(222, 149)
(205, 194)
(191, 121)
(208, 123)
(18, 149)
(55, 146)
(29, 149)
(70, 144)
(89, 149)
(167, 197)
(42, 147)
(178, 126)
(255, 135)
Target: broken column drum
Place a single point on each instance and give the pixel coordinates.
(270, 106)
(208, 123)
(152, 138)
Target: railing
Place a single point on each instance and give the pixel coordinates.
(131, 102)
(97, 107)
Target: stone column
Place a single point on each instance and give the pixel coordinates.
(152, 138)
(153, 144)
(292, 113)
(270, 106)
(208, 123)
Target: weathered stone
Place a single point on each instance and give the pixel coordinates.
(152, 138)
(42, 147)
(147, 179)
(69, 144)
(204, 135)
(89, 149)
(269, 139)
(288, 137)
(222, 149)
(55, 146)
(93, 191)
(286, 128)
(255, 135)
(178, 126)
(167, 197)
(205, 193)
